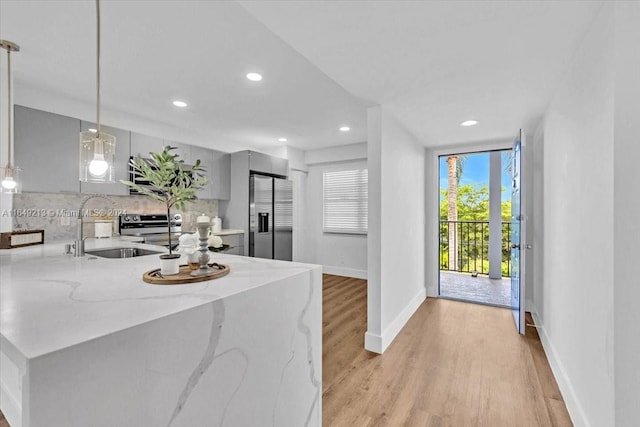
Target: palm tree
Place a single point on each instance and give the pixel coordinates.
(455, 164)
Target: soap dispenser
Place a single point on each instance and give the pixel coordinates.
(217, 224)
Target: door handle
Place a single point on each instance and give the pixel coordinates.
(514, 246)
(263, 222)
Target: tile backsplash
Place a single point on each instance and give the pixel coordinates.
(56, 213)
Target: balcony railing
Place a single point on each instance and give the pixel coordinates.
(470, 247)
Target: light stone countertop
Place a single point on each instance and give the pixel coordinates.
(224, 232)
(50, 301)
(228, 232)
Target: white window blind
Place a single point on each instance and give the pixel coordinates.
(346, 206)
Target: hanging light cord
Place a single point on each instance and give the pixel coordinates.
(9, 166)
(98, 64)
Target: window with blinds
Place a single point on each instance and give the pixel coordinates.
(345, 202)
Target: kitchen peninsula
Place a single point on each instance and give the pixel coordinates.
(84, 341)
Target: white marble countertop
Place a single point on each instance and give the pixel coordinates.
(224, 232)
(228, 232)
(50, 301)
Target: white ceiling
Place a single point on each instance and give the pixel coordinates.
(438, 63)
(434, 64)
(197, 51)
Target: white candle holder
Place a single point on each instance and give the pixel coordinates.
(204, 270)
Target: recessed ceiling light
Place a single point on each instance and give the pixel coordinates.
(93, 130)
(282, 139)
(469, 123)
(345, 128)
(180, 104)
(254, 77)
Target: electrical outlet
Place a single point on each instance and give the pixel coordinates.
(65, 220)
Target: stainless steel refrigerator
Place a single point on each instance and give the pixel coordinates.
(270, 217)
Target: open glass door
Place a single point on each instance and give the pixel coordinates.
(517, 237)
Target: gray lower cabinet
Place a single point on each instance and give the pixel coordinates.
(121, 163)
(47, 148)
(235, 242)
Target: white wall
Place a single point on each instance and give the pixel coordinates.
(341, 254)
(575, 299)
(338, 153)
(373, 336)
(626, 204)
(535, 235)
(396, 228)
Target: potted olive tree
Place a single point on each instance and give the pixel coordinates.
(170, 182)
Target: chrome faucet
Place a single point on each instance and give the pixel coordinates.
(78, 244)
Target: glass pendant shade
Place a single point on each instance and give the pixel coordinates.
(97, 151)
(11, 179)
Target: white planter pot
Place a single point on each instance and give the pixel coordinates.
(169, 264)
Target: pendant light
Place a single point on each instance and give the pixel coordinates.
(97, 148)
(11, 182)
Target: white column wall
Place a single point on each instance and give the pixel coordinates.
(396, 227)
(495, 215)
(575, 315)
(626, 202)
(373, 336)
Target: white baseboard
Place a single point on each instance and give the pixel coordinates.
(345, 271)
(373, 342)
(378, 344)
(10, 407)
(576, 412)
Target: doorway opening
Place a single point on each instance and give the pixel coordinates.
(475, 227)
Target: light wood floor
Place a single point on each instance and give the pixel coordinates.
(453, 364)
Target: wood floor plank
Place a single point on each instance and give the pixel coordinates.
(453, 364)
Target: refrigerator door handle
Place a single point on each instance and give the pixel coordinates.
(263, 222)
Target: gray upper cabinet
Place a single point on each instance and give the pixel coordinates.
(218, 166)
(221, 176)
(279, 166)
(47, 148)
(182, 150)
(206, 160)
(142, 145)
(259, 162)
(121, 163)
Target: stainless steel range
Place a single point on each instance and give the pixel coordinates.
(152, 228)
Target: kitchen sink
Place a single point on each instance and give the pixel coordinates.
(121, 252)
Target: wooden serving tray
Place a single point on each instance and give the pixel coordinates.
(184, 276)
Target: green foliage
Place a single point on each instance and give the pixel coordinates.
(171, 182)
(472, 238)
(473, 204)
